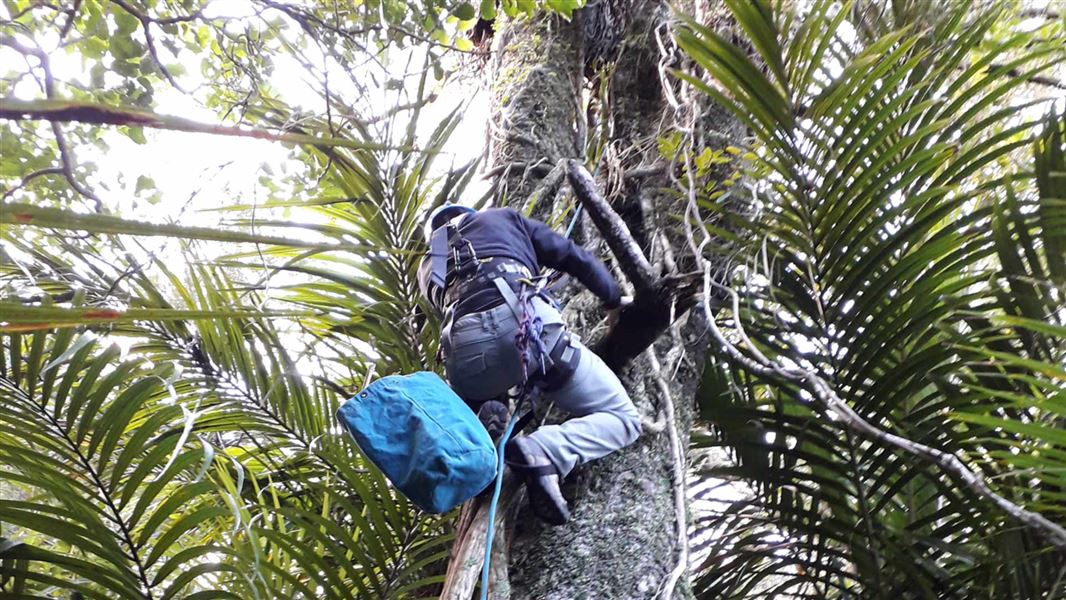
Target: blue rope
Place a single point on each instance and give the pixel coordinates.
(491, 530)
(573, 220)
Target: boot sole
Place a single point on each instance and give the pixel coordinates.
(543, 506)
(493, 416)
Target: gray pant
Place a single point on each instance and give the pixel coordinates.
(483, 362)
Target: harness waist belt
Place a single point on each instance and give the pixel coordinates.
(478, 292)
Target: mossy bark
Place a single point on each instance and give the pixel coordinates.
(536, 101)
(622, 541)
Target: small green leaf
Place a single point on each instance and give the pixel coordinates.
(126, 22)
(94, 47)
(565, 7)
(137, 135)
(439, 36)
(143, 183)
(465, 11)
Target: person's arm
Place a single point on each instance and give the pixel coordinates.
(558, 252)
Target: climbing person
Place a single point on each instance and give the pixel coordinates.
(499, 331)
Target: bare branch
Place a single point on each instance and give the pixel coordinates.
(630, 257)
(104, 114)
(642, 322)
(72, 13)
(644, 172)
(42, 59)
(66, 155)
(506, 169)
(1037, 79)
(547, 188)
(34, 6)
(1041, 13)
(401, 108)
(310, 22)
(30, 177)
(469, 547)
(823, 392)
(666, 592)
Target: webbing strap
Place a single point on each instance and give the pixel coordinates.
(509, 297)
(438, 248)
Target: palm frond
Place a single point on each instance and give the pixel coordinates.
(896, 235)
(114, 490)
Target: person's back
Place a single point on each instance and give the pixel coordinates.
(475, 276)
(504, 233)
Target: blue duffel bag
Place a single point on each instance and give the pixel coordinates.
(423, 437)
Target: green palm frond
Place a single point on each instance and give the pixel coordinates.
(114, 487)
(904, 255)
(371, 293)
(309, 493)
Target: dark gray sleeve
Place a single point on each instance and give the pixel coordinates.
(558, 252)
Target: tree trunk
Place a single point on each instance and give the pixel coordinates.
(623, 540)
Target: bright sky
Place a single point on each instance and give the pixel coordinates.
(195, 173)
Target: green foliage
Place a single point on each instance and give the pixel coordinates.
(168, 410)
(908, 249)
(274, 319)
(117, 496)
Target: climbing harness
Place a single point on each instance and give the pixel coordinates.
(446, 244)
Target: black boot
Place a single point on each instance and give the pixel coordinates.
(493, 415)
(542, 480)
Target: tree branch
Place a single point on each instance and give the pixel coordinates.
(103, 114)
(468, 550)
(678, 464)
(146, 25)
(34, 6)
(66, 155)
(547, 188)
(72, 14)
(30, 177)
(506, 169)
(1037, 79)
(630, 257)
(1041, 13)
(642, 322)
(658, 301)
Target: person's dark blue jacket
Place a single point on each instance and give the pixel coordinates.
(503, 232)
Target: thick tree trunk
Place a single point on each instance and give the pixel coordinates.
(623, 540)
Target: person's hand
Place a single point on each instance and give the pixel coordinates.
(612, 315)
